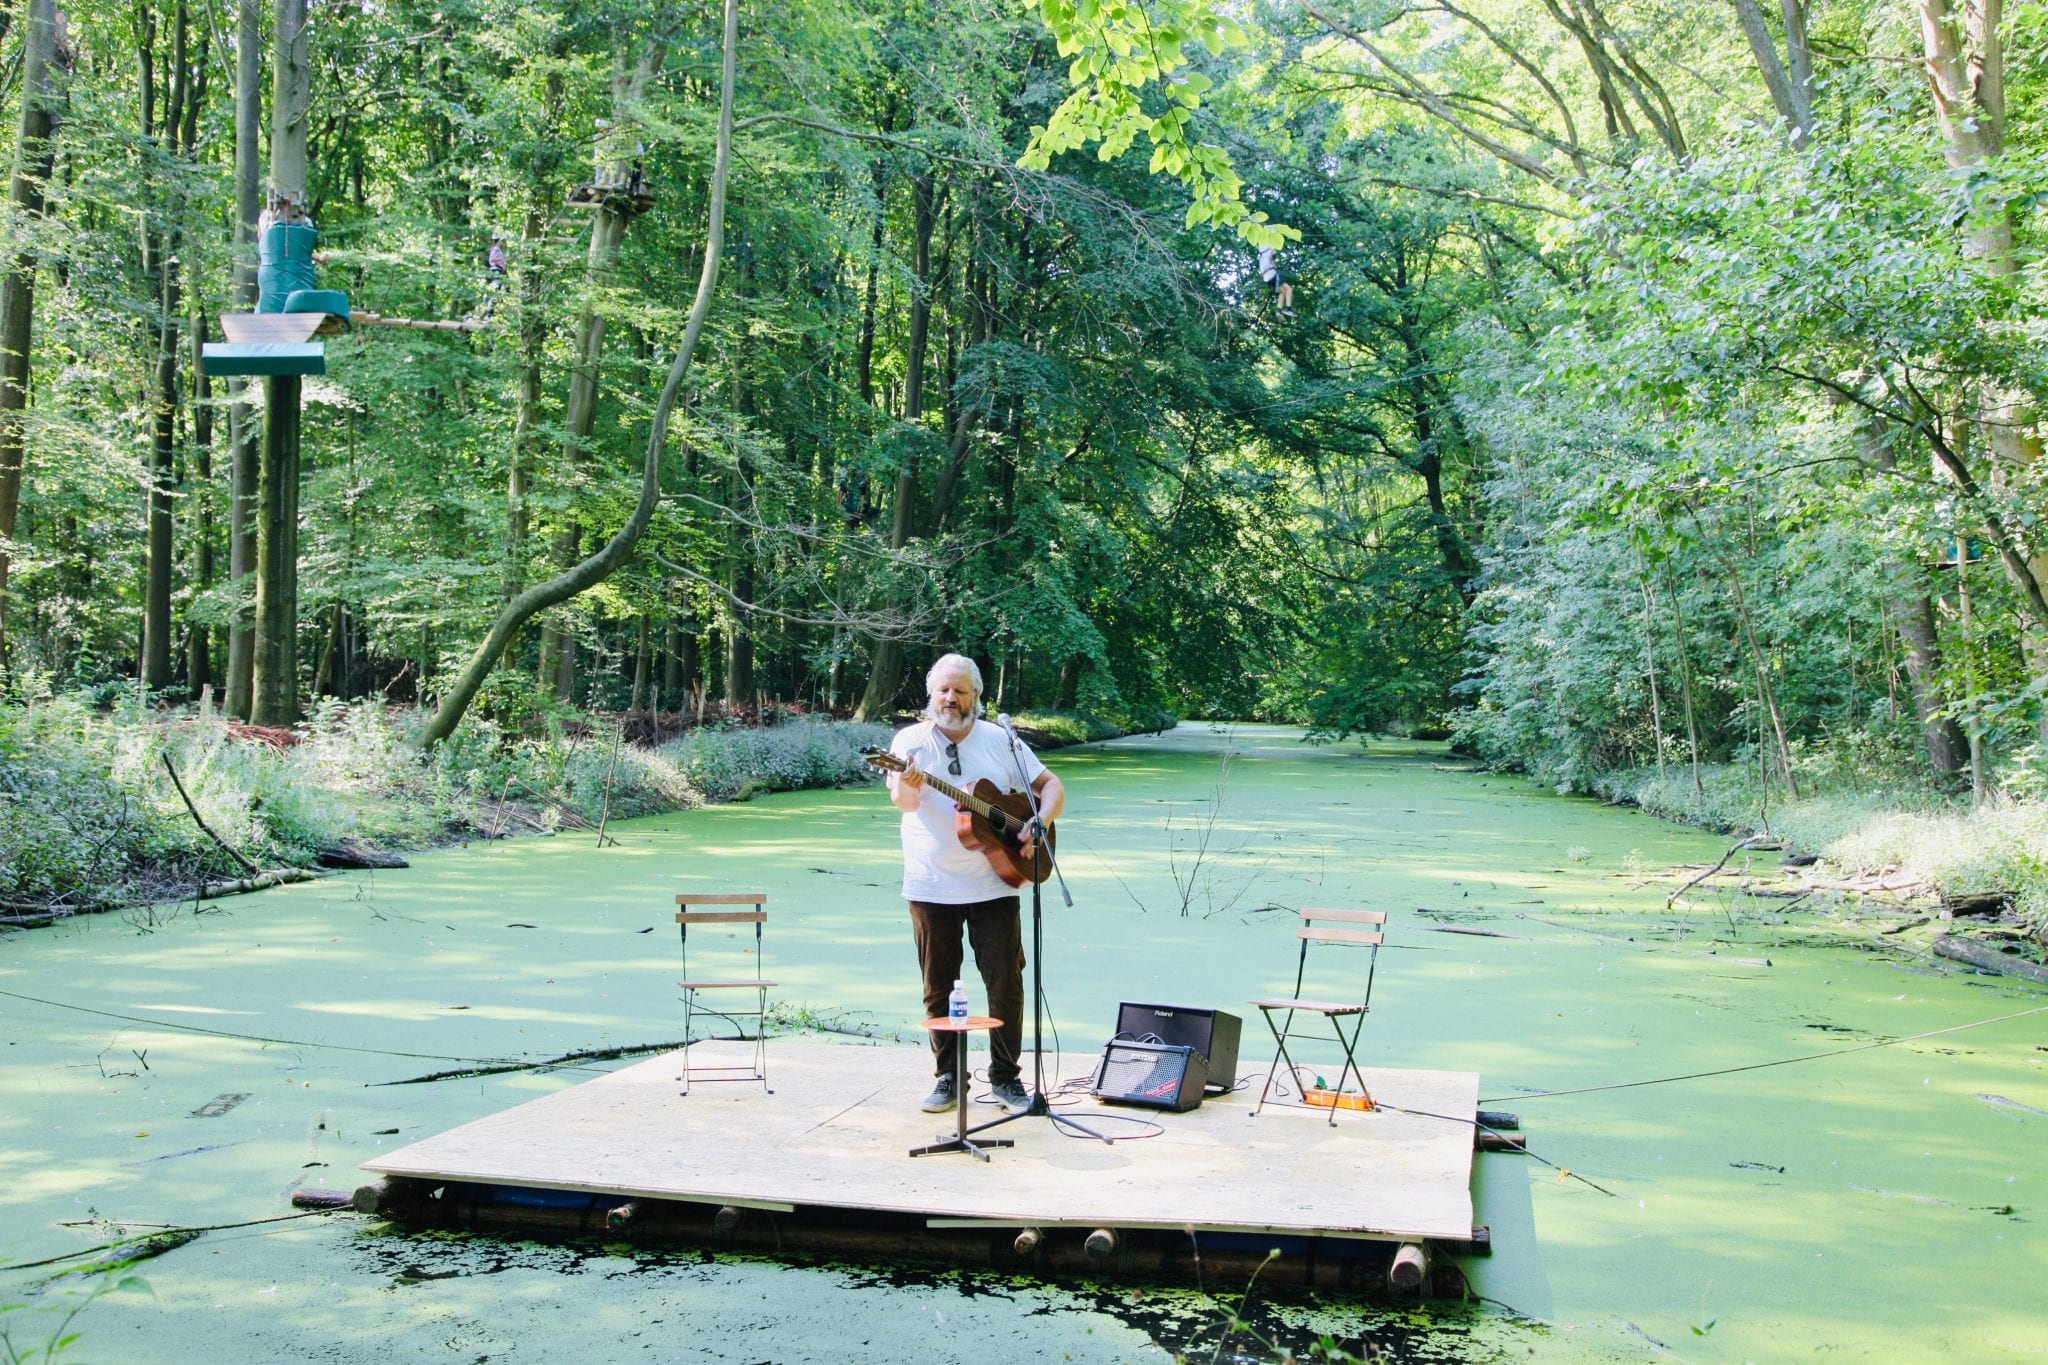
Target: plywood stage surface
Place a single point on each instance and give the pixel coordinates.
(837, 1130)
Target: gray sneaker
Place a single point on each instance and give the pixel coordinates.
(1013, 1097)
(941, 1098)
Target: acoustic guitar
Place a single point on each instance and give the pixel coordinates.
(994, 823)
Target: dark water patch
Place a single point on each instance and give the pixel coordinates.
(1227, 1323)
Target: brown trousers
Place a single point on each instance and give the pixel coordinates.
(995, 930)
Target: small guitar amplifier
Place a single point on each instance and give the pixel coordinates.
(1212, 1033)
(1160, 1075)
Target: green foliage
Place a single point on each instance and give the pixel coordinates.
(733, 763)
(1118, 52)
(1600, 418)
(67, 828)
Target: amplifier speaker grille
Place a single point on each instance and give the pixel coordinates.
(1161, 1075)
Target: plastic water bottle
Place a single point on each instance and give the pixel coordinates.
(956, 1004)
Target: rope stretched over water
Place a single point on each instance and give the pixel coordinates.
(472, 1066)
(1761, 1066)
(253, 1037)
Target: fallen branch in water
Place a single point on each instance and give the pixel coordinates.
(200, 821)
(600, 1054)
(1476, 933)
(1753, 841)
(261, 882)
(1987, 958)
(152, 1244)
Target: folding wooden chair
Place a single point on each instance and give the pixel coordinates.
(1359, 928)
(699, 992)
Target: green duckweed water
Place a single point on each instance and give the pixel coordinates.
(1882, 1204)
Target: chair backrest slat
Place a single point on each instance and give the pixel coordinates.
(722, 898)
(1371, 937)
(721, 916)
(1347, 916)
(1313, 930)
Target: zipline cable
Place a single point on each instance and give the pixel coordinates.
(1761, 1066)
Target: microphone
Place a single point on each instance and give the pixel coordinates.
(1003, 719)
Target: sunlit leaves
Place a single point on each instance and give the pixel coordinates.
(1120, 52)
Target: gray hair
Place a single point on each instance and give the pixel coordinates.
(953, 663)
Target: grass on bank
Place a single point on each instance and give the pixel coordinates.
(89, 817)
(1861, 824)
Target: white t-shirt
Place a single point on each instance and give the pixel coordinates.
(937, 867)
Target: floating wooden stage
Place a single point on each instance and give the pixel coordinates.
(822, 1166)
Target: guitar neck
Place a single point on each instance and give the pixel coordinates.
(967, 799)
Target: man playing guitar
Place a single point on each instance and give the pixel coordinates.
(950, 886)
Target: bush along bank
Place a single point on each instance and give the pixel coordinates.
(128, 804)
(1938, 868)
(92, 815)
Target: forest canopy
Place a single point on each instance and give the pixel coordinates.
(1618, 385)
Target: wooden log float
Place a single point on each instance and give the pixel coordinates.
(323, 1199)
(623, 1216)
(1410, 1270)
(1485, 1141)
(1987, 958)
(1356, 1268)
(371, 1195)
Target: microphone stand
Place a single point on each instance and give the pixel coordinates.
(1041, 861)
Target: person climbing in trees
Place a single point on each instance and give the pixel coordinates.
(494, 260)
(1277, 284)
(286, 253)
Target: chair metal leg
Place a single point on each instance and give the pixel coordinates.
(758, 1070)
(689, 1034)
(1350, 1046)
(1347, 1043)
(1280, 1054)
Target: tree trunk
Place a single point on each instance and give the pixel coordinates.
(739, 640)
(1965, 64)
(327, 679)
(885, 676)
(34, 149)
(527, 415)
(199, 649)
(1791, 96)
(642, 666)
(672, 680)
(462, 691)
(1947, 749)
(611, 165)
(244, 432)
(274, 698)
(161, 262)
